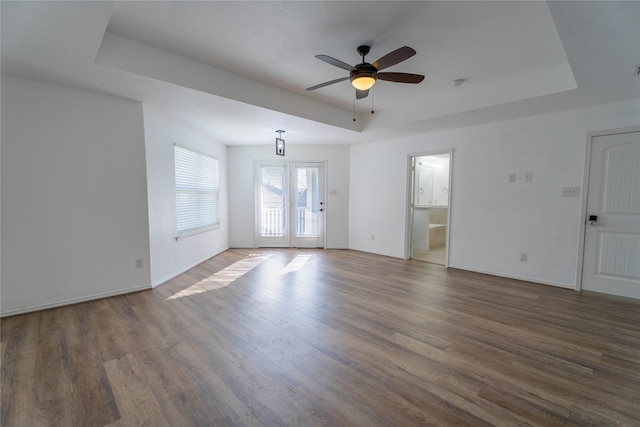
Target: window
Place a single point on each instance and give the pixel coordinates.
(196, 191)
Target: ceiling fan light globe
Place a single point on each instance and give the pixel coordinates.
(363, 82)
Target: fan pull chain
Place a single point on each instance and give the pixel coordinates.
(372, 93)
(354, 106)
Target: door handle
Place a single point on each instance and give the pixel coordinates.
(593, 219)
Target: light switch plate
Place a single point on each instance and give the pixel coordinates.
(570, 191)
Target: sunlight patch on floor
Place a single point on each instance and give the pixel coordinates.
(223, 277)
(296, 264)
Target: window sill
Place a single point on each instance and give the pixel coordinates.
(198, 231)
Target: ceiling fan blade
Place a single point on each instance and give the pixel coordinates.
(401, 77)
(362, 93)
(393, 58)
(336, 62)
(328, 83)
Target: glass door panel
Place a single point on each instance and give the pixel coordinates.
(307, 229)
(272, 206)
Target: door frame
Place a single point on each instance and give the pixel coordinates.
(288, 164)
(409, 199)
(585, 195)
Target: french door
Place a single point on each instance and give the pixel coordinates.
(290, 205)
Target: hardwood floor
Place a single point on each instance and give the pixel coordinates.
(337, 338)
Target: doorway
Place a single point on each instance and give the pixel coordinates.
(290, 205)
(429, 186)
(611, 256)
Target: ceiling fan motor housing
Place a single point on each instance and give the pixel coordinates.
(365, 73)
(364, 70)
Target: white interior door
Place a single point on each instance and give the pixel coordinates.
(290, 205)
(307, 205)
(612, 238)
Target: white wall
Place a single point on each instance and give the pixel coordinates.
(241, 189)
(74, 199)
(170, 257)
(492, 221)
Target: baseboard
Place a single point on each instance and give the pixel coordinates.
(369, 251)
(491, 273)
(71, 301)
(513, 276)
(165, 279)
(170, 276)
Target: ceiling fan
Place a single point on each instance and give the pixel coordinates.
(363, 76)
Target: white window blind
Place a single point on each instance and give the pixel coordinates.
(196, 191)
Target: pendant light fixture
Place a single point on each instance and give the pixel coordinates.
(279, 143)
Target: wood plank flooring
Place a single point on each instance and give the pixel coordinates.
(332, 338)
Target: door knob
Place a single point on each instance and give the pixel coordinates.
(593, 219)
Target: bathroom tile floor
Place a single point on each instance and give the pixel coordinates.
(435, 255)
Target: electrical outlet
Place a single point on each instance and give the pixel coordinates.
(511, 178)
(139, 263)
(528, 177)
(523, 257)
(373, 237)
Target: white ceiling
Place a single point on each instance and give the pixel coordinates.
(238, 70)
